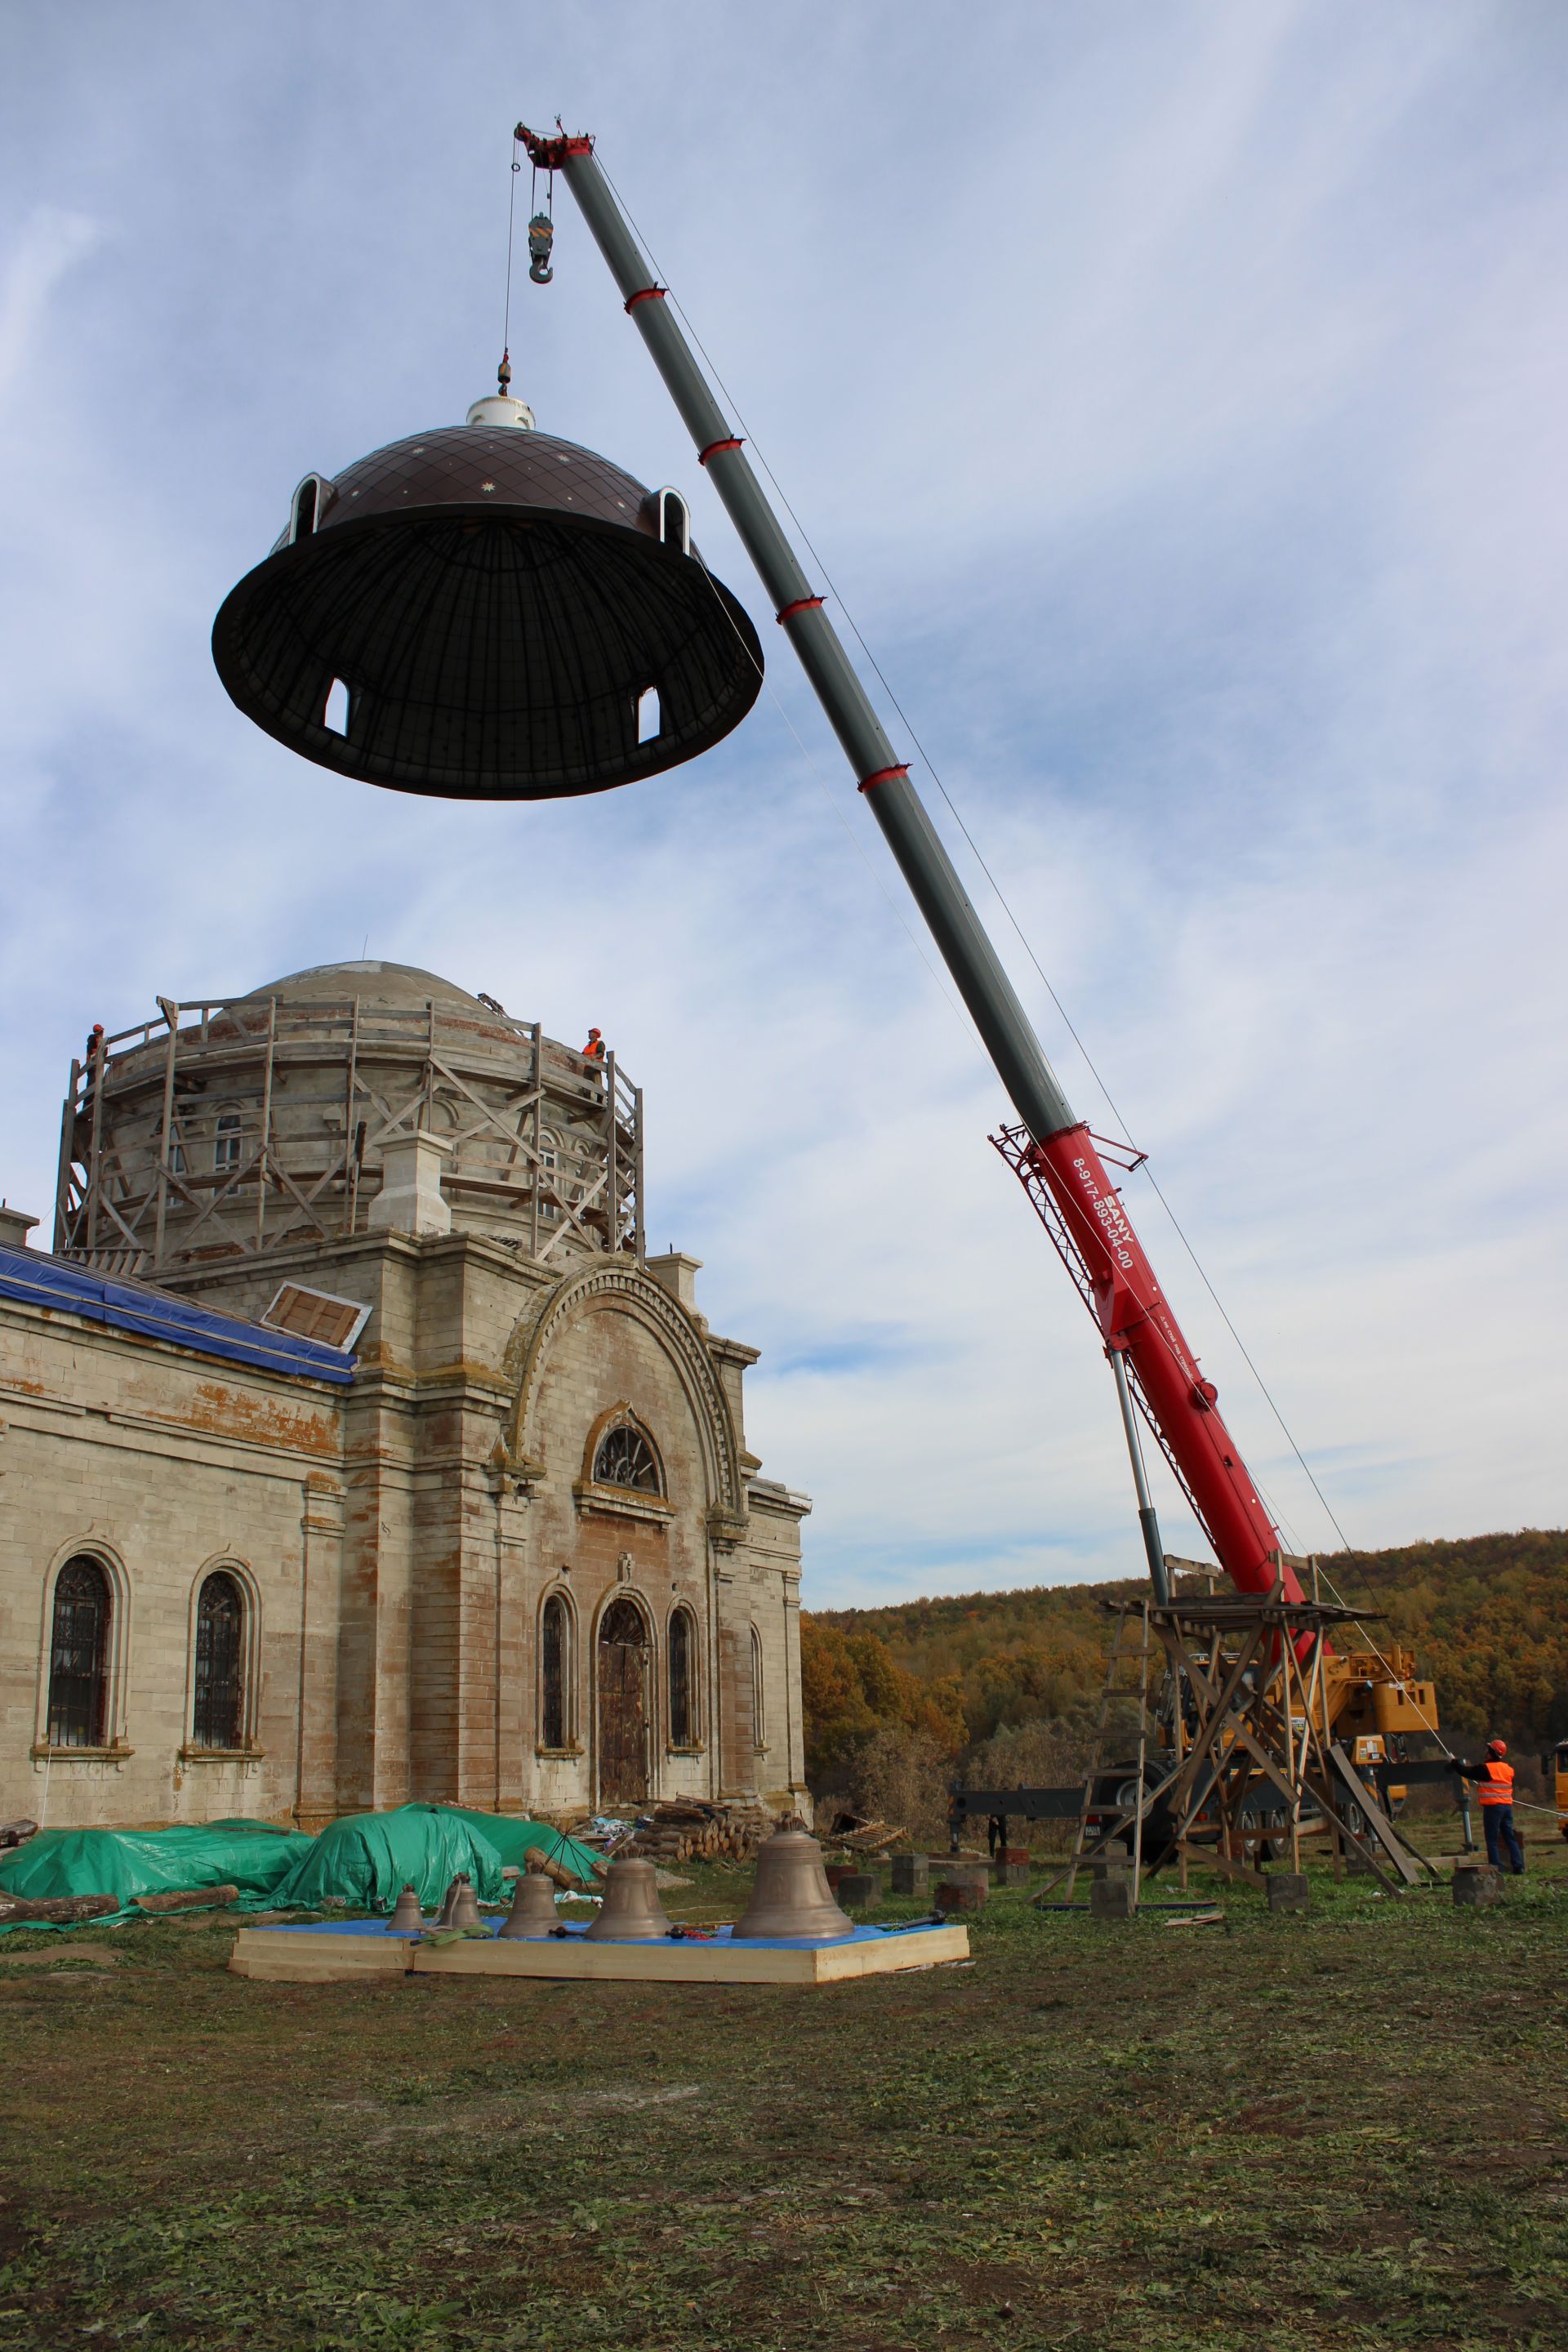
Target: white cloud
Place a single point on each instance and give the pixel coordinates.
(1178, 402)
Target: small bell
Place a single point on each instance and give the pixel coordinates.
(464, 1903)
(792, 1899)
(532, 1909)
(408, 1918)
(631, 1912)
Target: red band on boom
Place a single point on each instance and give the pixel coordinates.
(881, 777)
(801, 605)
(645, 294)
(714, 449)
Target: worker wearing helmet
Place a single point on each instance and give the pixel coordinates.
(1494, 1785)
(594, 1051)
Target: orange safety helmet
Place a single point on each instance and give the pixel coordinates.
(1496, 1747)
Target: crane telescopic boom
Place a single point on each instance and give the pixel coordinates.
(1058, 1154)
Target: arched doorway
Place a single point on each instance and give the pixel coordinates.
(622, 1704)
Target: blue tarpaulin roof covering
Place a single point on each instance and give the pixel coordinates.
(67, 1289)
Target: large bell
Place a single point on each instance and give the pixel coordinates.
(631, 1911)
(792, 1898)
(533, 1910)
(499, 607)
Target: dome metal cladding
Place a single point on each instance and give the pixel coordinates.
(497, 604)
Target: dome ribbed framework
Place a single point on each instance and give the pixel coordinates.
(497, 604)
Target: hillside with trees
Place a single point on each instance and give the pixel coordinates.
(1003, 1682)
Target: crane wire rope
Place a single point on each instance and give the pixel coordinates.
(1002, 899)
(511, 232)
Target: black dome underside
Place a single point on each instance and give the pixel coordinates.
(488, 656)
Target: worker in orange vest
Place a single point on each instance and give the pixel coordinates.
(1494, 1786)
(594, 1051)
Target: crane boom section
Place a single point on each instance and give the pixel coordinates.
(1136, 1319)
(1133, 1316)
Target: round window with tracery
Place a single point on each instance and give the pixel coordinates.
(625, 1458)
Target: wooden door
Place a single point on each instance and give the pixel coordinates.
(622, 1704)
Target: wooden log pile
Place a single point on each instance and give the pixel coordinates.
(691, 1831)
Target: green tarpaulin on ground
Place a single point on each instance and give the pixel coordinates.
(364, 1860)
(358, 1863)
(512, 1840)
(255, 1856)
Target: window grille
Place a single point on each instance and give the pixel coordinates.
(553, 1675)
(78, 1656)
(625, 1458)
(682, 1734)
(217, 1718)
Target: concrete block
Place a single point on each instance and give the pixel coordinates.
(1013, 1854)
(1287, 1891)
(859, 1890)
(1110, 1865)
(1477, 1883)
(1012, 1873)
(954, 1894)
(911, 1873)
(1110, 1898)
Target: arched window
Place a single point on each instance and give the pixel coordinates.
(78, 1656)
(217, 1715)
(625, 1458)
(554, 1637)
(759, 1694)
(682, 1680)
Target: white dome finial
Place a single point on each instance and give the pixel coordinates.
(499, 408)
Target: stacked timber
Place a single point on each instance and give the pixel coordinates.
(688, 1831)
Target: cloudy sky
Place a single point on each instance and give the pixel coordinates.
(1177, 395)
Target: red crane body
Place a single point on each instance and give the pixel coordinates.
(1136, 1319)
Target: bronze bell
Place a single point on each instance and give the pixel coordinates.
(443, 1919)
(532, 1909)
(631, 1911)
(792, 1898)
(465, 1910)
(408, 1918)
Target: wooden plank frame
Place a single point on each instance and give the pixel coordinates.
(310, 1957)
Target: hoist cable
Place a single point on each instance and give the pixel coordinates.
(511, 227)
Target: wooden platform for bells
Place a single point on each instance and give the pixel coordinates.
(793, 1933)
(368, 1948)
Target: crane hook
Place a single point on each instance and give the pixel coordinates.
(540, 237)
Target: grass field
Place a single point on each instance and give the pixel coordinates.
(1339, 2131)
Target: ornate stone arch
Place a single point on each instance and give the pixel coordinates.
(628, 1291)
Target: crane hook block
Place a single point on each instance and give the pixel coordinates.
(540, 237)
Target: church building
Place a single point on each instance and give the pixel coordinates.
(353, 1449)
